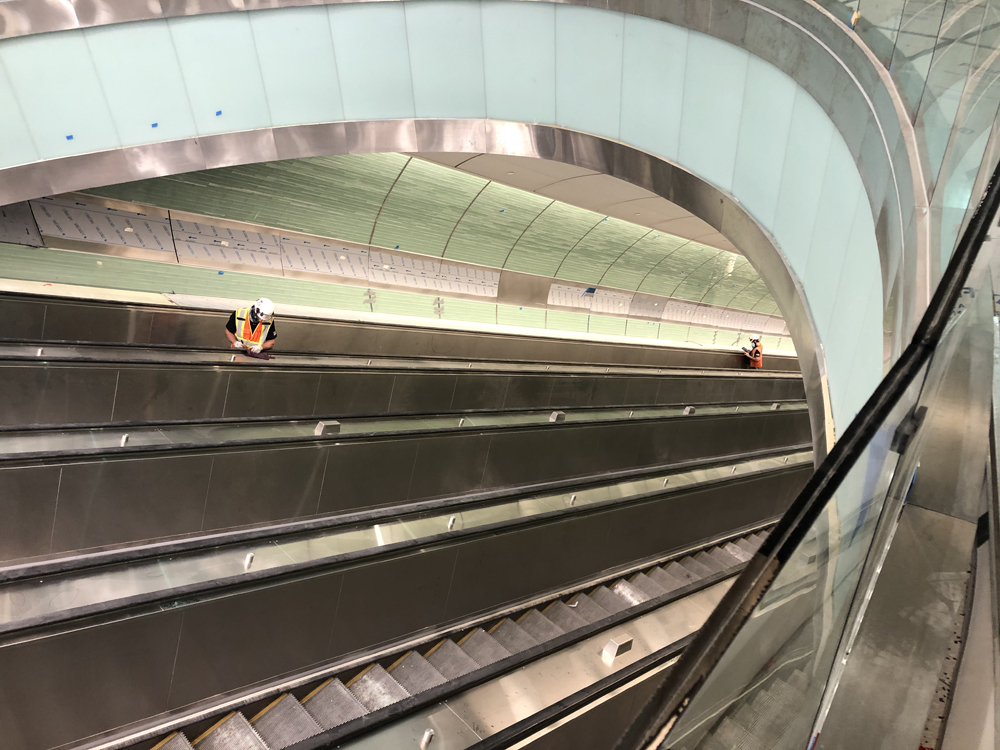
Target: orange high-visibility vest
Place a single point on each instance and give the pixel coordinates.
(248, 334)
(756, 356)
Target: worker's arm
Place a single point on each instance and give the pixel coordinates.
(268, 344)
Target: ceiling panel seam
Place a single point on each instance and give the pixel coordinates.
(570, 251)
(444, 250)
(371, 237)
(525, 230)
(611, 265)
(689, 274)
(660, 262)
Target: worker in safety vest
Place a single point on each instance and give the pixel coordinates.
(252, 328)
(755, 354)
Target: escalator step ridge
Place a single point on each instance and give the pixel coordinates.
(678, 571)
(512, 636)
(415, 673)
(173, 741)
(724, 557)
(332, 704)
(666, 581)
(233, 732)
(587, 608)
(609, 600)
(759, 726)
(786, 695)
(451, 661)
(745, 544)
(734, 736)
(538, 626)
(710, 561)
(738, 552)
(375, 689)
(483, 648)
(563, 616)
(647, 585)
(630, 593)
(284, 722)
(798, 680)
(696, 567)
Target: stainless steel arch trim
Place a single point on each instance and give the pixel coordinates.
(798, 36)
(657, 175)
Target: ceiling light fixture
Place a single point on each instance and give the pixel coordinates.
(509, 173)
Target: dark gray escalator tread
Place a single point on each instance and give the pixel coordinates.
(284, 722)
(232, 733)
(737, 551)
(724, 557)
(415, 673)
(563, 616)
(647, 585)
(332, 704)
(539, 627)
(173, 741)
(667, 581)
(512, 636)
(480, 646)
(630, 593)
(375, 689)
(711, 562)
(698, 568)
(609, 600)
(451, 661)
(587, 608)
(677, 570)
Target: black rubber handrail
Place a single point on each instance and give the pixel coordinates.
(677, 691)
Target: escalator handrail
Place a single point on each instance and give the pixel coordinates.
(669, 701)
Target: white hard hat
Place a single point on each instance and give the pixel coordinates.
(755, 337)
(265, 308)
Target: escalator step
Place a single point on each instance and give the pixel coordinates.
(647, 585)
(284, 722)
(232, 733)
(331, 704)
(375, 689)
(738, 552)
(710, 562)
(415, 673)
(667, 581)
(481, 647)
(756, 724)
(512, 636)
(539, 627)
(681, 573)
(746, 545)
(785, 694)
(629, 593)
(609, 600)
(451, 661)
(731, 734)
(758, 537)
(173, 741)
(563, 616)
(723, 557)
(798, 680)
(587, 608)
(697, 567)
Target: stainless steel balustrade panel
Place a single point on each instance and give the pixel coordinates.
(67, 593)
(125, 669)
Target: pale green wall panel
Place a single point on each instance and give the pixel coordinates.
(642, 329)
(628, 271)
(446, 58)
(598, 249)
(559, 320)
(298, 65)
(59, 93)
(142, 81)
(653, 85)
(550, 237)
(764, 123)
(373, 60)
(809, 140)
(388, 302)
(221, 72)
(496, 219)
(423, 207)
(606, 326)
(520, 61)
(588, 69)
(469, 311)
(529, 317)
(714, 80)
(16, 146)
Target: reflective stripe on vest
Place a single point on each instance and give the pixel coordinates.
(246, 333)
(757, 356)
